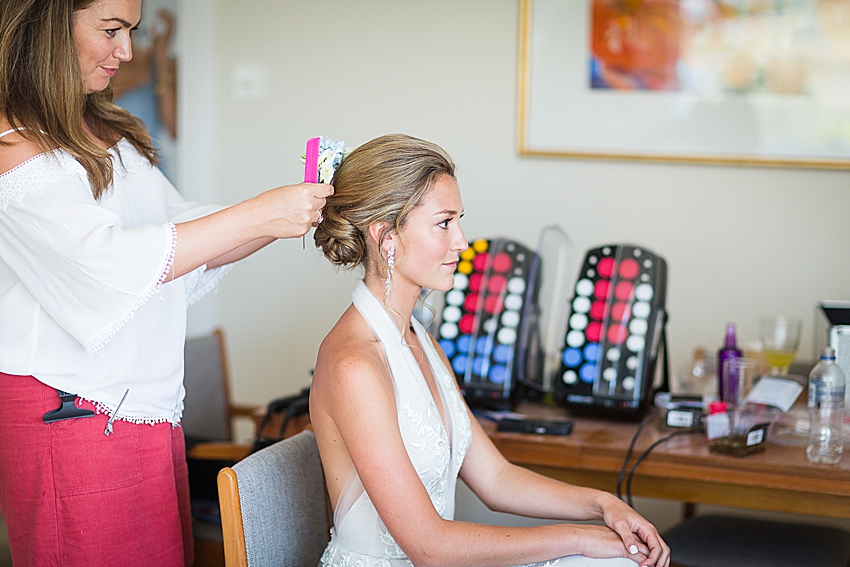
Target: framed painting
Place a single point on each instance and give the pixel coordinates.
(750, 82)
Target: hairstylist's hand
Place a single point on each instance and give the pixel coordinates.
(637, 533)
(291, 210)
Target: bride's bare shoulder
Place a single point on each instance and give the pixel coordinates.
(349, 350)
(16, 149)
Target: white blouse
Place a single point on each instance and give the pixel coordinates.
(85, 305)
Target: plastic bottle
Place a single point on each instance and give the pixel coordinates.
(826, 410)
(730, 350)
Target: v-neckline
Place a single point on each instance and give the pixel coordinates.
(447, 423)
(445, 420)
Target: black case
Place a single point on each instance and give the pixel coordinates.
(615, 333)
(487, 321)
(537, 426)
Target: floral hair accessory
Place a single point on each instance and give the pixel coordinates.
(328, 155)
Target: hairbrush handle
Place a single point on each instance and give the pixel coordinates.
(311, 165)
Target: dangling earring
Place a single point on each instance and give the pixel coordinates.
(390, 264)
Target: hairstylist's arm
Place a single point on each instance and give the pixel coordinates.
(240, 230)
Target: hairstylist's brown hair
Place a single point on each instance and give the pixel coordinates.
(42, 91)
(381, 181)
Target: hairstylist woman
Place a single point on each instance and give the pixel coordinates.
(99, 257)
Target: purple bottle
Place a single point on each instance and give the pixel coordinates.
(727, 390)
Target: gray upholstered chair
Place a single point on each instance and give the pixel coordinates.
(274, 510)
(730, 541)
(208, 412)
(207, 423)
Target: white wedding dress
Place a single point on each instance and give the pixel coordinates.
(359, 537)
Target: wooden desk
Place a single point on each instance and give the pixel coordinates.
(778, 479)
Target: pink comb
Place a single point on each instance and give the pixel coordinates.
(311, 165)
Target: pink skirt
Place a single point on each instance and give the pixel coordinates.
(71, 496)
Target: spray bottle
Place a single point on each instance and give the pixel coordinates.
(729, 351)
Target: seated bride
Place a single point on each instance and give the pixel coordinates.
(393, 430)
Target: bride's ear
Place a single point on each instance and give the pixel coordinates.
(374, 232)
(378, 230)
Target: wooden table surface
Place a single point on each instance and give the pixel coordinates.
(779, 478)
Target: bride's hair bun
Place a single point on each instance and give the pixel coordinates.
(381, 181)
(341, 242)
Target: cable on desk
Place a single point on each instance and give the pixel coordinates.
(644, 455)
(647, 420)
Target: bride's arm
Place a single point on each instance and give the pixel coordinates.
(352, 397)
(505, 487)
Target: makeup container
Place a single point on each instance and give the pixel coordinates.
(734, 432)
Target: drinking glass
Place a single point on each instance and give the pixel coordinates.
(740, 374)
(780, 336)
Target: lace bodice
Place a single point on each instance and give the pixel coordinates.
(436, 452)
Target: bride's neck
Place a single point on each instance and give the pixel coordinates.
(401, 301)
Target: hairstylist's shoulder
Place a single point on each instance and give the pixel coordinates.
(16, 149)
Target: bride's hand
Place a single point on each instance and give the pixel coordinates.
(636, 532)
(602, 542)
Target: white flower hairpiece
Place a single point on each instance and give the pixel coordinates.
(331, 155)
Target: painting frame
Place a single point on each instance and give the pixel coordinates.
(532, 105)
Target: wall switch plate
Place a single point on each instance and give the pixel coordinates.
(248, 83)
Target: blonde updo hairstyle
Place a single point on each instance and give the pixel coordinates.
(381, 181)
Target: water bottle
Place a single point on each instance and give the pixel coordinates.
(826, 410)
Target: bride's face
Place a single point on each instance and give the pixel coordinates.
(434, 239)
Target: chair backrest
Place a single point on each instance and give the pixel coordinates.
(206, 412)
(273, 506)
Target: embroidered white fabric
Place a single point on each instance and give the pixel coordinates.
(85, 294)
(359, 537)
(31, 175)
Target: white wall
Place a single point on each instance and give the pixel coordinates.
(740, 242)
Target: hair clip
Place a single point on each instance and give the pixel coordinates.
(108, 429)
(67, 410)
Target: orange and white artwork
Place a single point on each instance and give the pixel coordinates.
(794, 47)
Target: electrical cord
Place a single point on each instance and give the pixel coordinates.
(664, 387)
(644, 455)
(647, 420)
